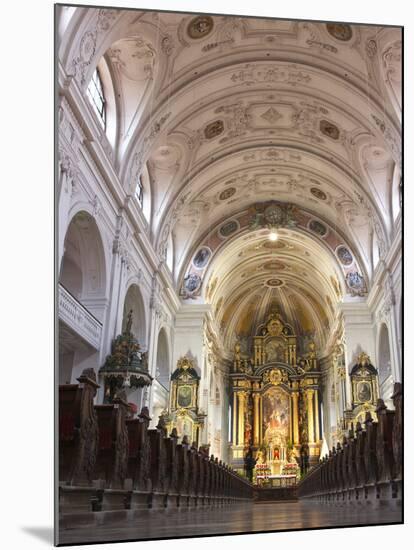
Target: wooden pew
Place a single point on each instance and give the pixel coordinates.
(112, 459)
(139, 460)
(173, 497)
(350, 466)
(370, 458)
(397, 436)
(384, 454)
(183, 473)
(158, 470)
(78, 444)
(194, 476)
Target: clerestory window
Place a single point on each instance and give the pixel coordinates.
(139, 191)
(96, 97)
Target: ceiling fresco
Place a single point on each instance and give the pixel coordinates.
(251, 126)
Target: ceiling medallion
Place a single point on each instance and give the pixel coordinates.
(318, 194)
(274, 282)
(272, 215)
(227, 193)
(200, 26)
(271, 115)
(318, 228)
(340, 31)
(214, 129)
(228, 228)
(345, 257)
(329, 129)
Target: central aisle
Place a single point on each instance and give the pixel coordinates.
(243, 518)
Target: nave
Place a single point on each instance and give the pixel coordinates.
(229, 265)
(120, 480)
(241, 518)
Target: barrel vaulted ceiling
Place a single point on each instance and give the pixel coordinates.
(226, 117)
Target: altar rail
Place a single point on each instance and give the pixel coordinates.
(367, 467)
(110, 463)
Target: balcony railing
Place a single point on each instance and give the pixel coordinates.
(78, 318)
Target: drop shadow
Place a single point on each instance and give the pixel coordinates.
(45, 534)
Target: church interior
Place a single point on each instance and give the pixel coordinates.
(229, 227)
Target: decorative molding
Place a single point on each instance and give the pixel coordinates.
(88, 42)
(269, 74)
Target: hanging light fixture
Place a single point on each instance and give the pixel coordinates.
(273, 236)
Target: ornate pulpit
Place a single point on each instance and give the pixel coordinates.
(126, 366)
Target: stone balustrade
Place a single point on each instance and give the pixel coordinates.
(367, 466)
(129, 466)
(78, 318)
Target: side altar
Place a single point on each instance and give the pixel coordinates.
(275, 401)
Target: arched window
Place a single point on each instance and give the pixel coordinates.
(139, 191)
(96, 97)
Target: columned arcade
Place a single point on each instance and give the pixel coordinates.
(229, 259)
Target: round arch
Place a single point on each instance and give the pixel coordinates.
(161, 382)
(83, 267)
(162, 372)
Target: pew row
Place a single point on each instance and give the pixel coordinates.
(367, 466)
(111, 463)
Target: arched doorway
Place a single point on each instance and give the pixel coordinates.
(384, 364)
(161, 382)
(82, 297)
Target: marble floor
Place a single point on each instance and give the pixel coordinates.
(241, 518)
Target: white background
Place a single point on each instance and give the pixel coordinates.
(26, 306)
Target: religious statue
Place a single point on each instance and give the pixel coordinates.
(363, 359)
(249, 464)
(311, 348)
(292, 455)
(129, 322)
(260, 457)
(237, 351)
(247, 432)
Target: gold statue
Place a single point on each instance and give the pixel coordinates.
(260, 458)
(312, 348)
(237, 351)
(363, 359)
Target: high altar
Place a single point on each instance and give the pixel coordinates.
(275, 399)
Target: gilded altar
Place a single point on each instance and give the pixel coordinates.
(275, 399)
(184, 414)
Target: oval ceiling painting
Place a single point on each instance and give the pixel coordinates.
(340, 31)
(345, 257)
(228, 228)
(318, 228)
(318, 194)
(200, 26)
(227, 193)
(201, 258)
